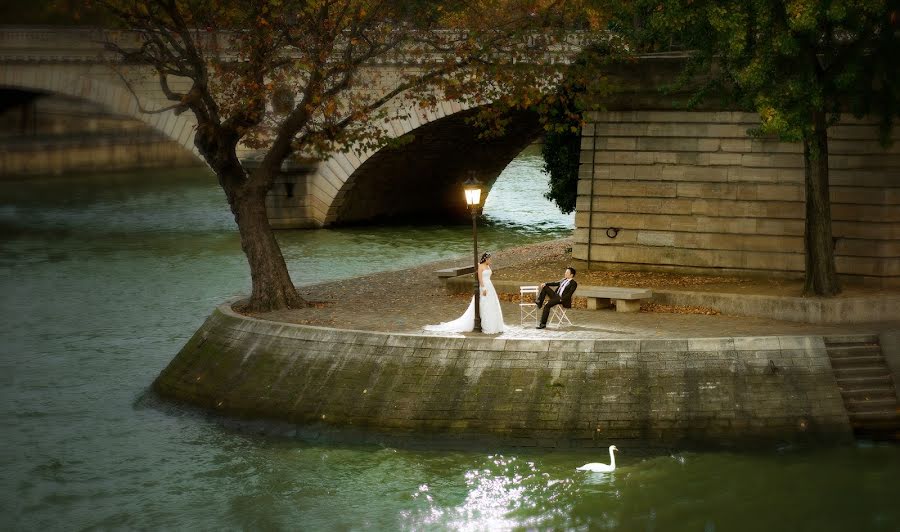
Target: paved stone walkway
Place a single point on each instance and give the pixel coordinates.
(405, 301)
(609, 324)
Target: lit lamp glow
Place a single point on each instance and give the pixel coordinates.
(472, 188)
(473, 192)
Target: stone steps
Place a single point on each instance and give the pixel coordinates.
(855, 350)
(852, 382)
(867, 386)
(837, 339)
(882, 416)
(867, 394)
(865, 405)
(847, 362)
(854, 373)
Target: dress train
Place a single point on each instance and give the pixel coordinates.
(491, 313)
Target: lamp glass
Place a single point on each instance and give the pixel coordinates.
(472, 188)
(473, 196)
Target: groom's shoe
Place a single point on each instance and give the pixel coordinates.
(541, 326)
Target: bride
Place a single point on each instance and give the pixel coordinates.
(489, 303)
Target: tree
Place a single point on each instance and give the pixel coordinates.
(585, 87)
(562, 152)
(290, 78)
(799, 64)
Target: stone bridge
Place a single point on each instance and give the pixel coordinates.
(660, 188)
(421, 179)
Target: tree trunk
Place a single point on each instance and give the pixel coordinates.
(821, 276)
(272, 286)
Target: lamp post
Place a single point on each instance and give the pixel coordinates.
(472, 189)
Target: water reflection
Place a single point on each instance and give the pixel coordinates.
(680, 491)
(517, 200)
(499, 493)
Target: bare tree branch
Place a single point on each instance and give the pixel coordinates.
(178, 107)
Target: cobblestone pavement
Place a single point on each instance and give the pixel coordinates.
(405, 301)
(607, 323)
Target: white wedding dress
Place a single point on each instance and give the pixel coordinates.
(491, 314)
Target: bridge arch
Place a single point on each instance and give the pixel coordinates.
(111, 95)
(344, 189)
(420, 179)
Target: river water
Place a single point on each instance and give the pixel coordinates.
(104, 279)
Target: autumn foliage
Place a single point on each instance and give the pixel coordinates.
(302, 79)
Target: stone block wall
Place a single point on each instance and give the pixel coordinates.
(92, 155)
(519, 392)
(691, 192)
(289, 202)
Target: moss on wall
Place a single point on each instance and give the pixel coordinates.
(547, 393)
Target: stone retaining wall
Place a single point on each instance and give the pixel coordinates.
(547, 393)
(835, 310)
(691, 192)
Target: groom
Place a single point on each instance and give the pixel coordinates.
(562, 294)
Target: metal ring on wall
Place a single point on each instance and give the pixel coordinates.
(611, 232)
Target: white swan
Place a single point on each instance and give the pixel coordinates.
(596, 467)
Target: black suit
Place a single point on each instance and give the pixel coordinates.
(554, 298)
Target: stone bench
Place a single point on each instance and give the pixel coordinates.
(627, 299)
(454, 272)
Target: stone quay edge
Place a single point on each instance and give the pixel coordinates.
(546, 393)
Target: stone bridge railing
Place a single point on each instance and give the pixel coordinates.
(53, 45)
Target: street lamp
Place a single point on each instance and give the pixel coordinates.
(472, 189)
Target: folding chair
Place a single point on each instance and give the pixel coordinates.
(527, 309)
(558, 317)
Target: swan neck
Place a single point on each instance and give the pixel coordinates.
(612, 458)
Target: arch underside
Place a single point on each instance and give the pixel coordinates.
(417, 181)
(109, 93)
(421, 180)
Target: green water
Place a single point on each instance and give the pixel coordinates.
(104, 279)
